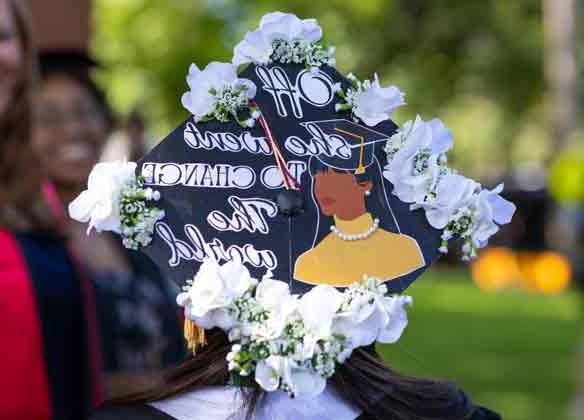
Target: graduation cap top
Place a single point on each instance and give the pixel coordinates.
(268, 128)
(207, 201)
(360, 141)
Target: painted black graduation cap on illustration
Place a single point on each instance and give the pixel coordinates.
(228, 208)
(360, 140)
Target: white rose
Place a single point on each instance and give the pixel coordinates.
(305, 383)
(301, 381)
(453, 192)
(380, 318)
(275, 297)
(376, 104)
(397, 318)
(99, 203)
(267, 373)
(216, 76)
(491, 210)
(317, 309)
(256, 46)
(415, 168)
(214, 288)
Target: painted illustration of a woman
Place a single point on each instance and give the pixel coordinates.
(357, 245)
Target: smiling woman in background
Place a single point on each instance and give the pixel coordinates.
(140, 327)
(50, 363)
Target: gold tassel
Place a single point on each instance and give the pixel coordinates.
(194, 335)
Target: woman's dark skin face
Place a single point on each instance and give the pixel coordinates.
(70, 131)
(340, 194)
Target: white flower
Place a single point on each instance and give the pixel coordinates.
(397, 318)
(490, 211)
(268, 373)
(376, 104)
(414, 168)
(367, 315)
(207, 84)
(317, 308)
(99, 203)
(214, 288)
(271, 294)
(304, 383)
(300, 381)
(452, 193)
(257, 46)
(275, 297)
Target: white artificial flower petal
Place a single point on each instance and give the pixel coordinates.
(183, 298)
(204, 84)
(80, 209)
(99, 203)
(317, 308)
(216, 287)
(452, 193)
(416, 154)
(502, 209)
(398, 319)
(256, 46)
(306, 384)
(442, 140)
(235, 277)
(272, 293)
(377, 104)
(266, 376)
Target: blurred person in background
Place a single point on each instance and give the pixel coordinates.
(140, 326)
(51, 368)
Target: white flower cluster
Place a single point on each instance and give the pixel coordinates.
(284, 38)
(368, 101)
(459, 206)
(289, 342)
(136, 217)
(116, 201)
(217, 93)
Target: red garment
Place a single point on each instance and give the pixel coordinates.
(23, 381)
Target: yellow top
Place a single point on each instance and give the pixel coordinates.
(337, 262)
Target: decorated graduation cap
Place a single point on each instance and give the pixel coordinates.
(291, 207)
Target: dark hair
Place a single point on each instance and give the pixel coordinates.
(364, 380)
(21, 205)
(316, 166)
(78, 66)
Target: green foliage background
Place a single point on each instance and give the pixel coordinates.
(475, 64)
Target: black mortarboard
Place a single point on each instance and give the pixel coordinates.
(220, 184)
(360, 144)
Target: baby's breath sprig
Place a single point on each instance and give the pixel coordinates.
(232, 102)
(351, 93)
(461, 224)
(136, 216)
(299, 51)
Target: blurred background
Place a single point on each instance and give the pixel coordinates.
(505, 76)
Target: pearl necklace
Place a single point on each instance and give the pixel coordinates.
(357, 236)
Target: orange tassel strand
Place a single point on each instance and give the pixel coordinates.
(194, 335)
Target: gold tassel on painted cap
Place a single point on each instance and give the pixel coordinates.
(194, 335)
